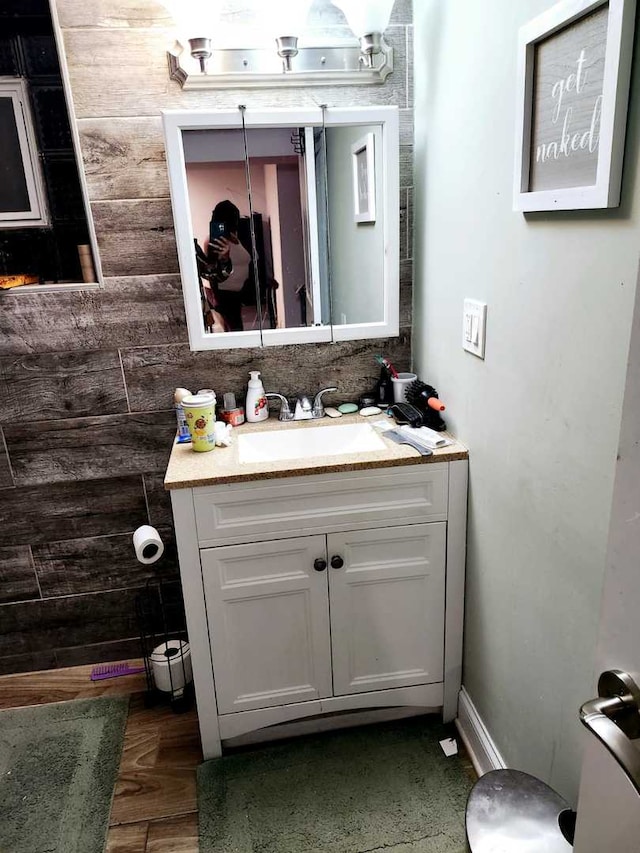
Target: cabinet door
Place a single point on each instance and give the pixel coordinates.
(387, 607)
(268, 615)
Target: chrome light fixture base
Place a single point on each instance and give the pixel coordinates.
(287, 49)
(370, 46)
(238, 68)
(201, 51)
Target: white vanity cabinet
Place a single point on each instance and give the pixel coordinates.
(387, 607)
(268, 614)
(313, 595)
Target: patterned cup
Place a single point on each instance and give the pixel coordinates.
(200, 412)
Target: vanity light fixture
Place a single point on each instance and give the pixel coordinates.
(368, 20)
(323, 60)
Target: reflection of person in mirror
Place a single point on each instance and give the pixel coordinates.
(225, 265)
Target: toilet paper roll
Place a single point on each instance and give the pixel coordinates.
(147, 544)
(171, 666)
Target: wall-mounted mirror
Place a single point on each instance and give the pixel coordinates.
(286, 223)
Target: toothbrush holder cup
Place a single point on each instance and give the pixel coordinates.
(400, 386)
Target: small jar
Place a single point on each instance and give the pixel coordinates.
(235, 417)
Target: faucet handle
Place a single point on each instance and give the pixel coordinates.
(304, 409)
(318, 407)
(285, 410)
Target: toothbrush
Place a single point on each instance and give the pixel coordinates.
(114, 670)
(386, 363)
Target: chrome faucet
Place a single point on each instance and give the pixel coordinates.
(304, 409)
(317, 410)
(285, 409)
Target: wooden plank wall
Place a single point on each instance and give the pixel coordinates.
(86, 378)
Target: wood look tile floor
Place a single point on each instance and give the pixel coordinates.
(154, 806)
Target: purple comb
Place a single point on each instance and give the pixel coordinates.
(114, 670)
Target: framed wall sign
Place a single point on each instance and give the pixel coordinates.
(364, 179)
(574, 67)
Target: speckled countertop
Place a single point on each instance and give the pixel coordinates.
(188, 469)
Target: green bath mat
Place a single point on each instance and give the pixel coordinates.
(379, 788)
(58, 767)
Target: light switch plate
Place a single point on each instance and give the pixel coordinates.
(474, 327)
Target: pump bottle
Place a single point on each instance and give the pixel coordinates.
(256, 408)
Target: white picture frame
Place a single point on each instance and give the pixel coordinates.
(539, 84)
(35, 214)
(364, 179)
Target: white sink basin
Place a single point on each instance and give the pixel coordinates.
(305, 443)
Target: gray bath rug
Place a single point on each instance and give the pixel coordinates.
(58, 767)
(386, 787)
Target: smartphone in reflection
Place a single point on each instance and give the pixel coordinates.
(217, 230)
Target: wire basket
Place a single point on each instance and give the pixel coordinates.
(165, 645)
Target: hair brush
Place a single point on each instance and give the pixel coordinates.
(114, 670)
(425, 398)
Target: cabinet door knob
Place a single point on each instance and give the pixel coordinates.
(320, 565)
(337, 562)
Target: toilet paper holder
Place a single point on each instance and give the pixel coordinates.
(165, 645)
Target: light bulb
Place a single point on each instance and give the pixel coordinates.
(196, 22)
(287, 18)
(194, 18)
(368, 19)
(366, 16)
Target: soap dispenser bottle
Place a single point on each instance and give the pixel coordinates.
(256, 406)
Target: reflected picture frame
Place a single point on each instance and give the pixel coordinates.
(364, 179)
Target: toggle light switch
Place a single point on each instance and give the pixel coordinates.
(467, 328)
(474, 327)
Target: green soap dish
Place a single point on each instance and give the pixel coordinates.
(347, 408)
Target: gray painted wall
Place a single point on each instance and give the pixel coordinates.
(542, 413)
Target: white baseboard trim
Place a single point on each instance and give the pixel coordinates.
(484, 754)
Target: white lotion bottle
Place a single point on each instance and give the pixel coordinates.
(256, 408)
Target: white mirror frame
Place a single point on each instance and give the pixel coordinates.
(176, 121)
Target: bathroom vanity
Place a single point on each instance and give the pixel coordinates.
(320, 591)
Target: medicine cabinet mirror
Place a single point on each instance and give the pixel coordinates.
(286, 223)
